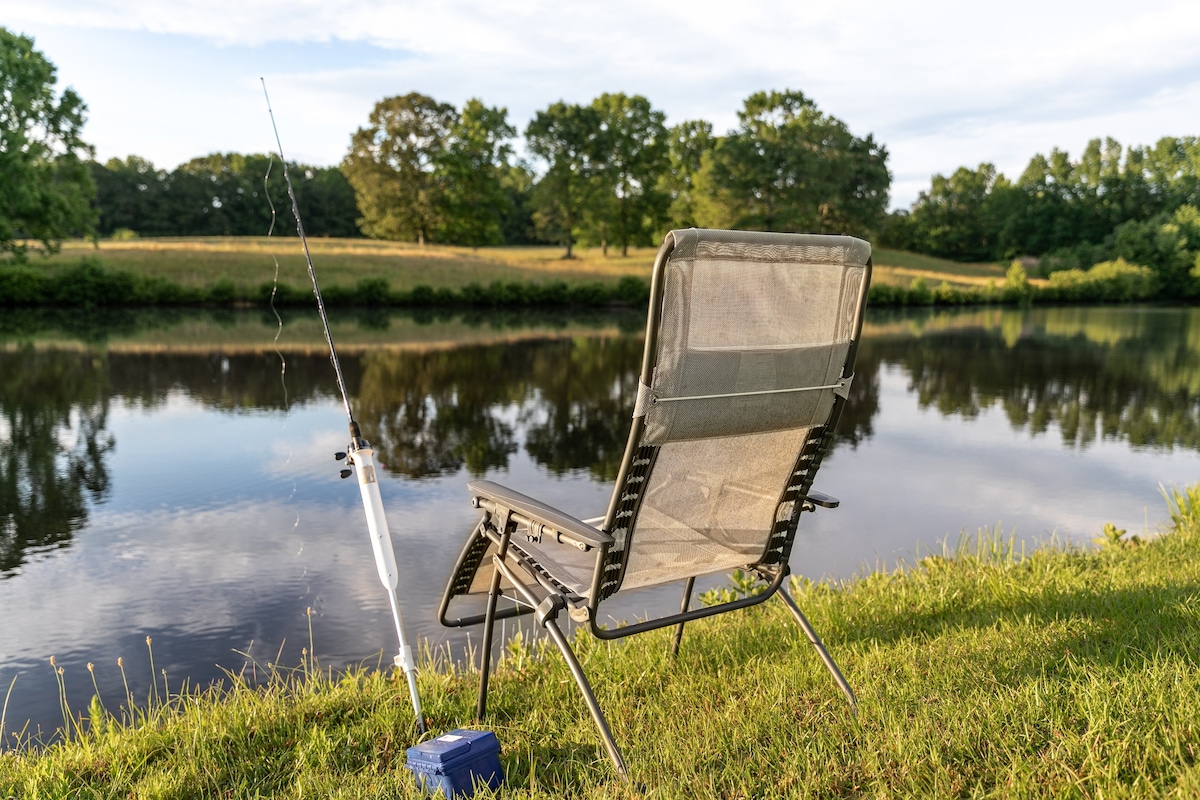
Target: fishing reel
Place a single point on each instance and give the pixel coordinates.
(356, 443)
(345, 472)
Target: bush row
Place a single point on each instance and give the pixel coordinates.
(90, 285)
(1109, 282)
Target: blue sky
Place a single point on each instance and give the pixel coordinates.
(942, 84)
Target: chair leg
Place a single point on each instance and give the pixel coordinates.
(821, 651)
(585, 689)
(485, 657)
(546, 613)
(683, 607)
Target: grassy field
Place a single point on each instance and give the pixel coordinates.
(899, 268)
(248, 262)
(980, 672)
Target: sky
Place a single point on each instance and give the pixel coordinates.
(940, 84)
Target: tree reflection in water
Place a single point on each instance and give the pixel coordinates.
(1124, 374)
(53, 408)
(433, 413)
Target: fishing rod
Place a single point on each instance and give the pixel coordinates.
(359, 454)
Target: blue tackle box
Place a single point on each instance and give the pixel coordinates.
(456, 762)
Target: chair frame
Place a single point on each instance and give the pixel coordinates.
(507, 511)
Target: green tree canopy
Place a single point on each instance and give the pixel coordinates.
(128, 195)
(629, 206)
(1135, 204)
(568, 138)
(688, 145)
(391, 166)
(221, 194)
(956, 218)
(46, 186)
(790, 167)
(473, 170)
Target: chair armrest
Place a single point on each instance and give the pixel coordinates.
(821, 499)
(542, 519)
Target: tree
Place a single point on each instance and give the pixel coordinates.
(629, 205)
(568, 139)
(472, 170)
(954, 219)
(221, 194)
(46, 185)
(1169, 244)
(128, 195)
(518, 226)
(790, 167)
(391, 167)
(688, 144)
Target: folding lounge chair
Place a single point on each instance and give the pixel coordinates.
(750, 347)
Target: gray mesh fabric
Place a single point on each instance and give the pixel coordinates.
(735, 320)
(710, 505)
(764, 320)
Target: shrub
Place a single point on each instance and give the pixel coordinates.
(90, 285)
(21, 285)
(919, 293)
(555, 293)
(222, 293)
(633, 290)
(590, 294)
(421, 296)
(1017, 288)
(1109, 281)
(373, 292)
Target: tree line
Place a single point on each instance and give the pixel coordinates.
(1138, 204)
(606, 173)
(222, 194)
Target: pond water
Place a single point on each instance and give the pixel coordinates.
(171, 475)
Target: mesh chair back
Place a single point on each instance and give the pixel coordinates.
(753, 345)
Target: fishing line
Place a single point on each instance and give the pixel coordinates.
(287, 408)
(275, 287)
(312, 273)
(360, 455)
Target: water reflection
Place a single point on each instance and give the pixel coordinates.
(434, 413)
(1132, 375)
(156, 478)
(53, 446)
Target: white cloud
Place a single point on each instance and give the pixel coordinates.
(942, 84)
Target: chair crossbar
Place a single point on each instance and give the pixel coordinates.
(657, 400)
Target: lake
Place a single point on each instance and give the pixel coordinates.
(171, 474)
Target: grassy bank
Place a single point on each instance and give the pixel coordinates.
(220, 271)
(247, 262)
(979, 672)
(198, 261)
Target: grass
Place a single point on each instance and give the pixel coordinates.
(247, 262)
(899, 267)
(980, 672)
(241, 271)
